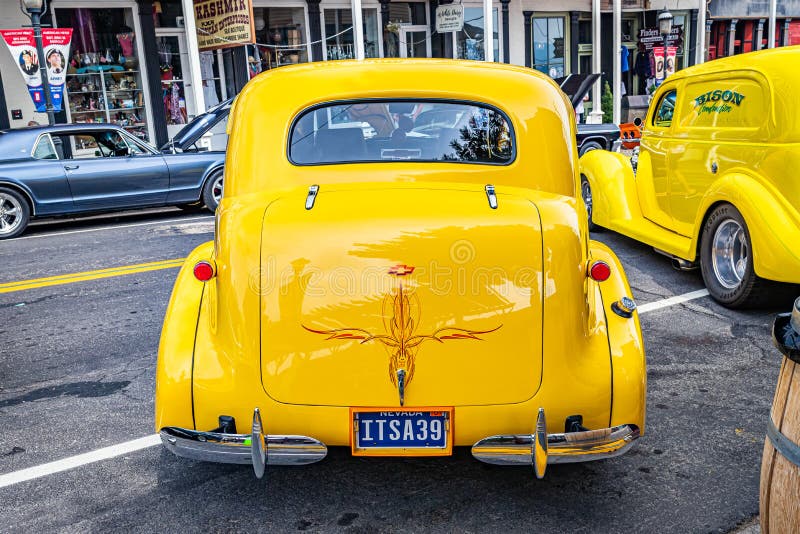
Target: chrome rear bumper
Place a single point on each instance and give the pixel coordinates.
(237, 448)
(537, 449)
(568, 447)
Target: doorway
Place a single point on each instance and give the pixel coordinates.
(177, 91)
(415, 41)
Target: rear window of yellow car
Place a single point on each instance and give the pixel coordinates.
(392, 130)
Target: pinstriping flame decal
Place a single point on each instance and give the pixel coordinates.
(400, 324)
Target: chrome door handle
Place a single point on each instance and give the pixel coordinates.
(71, 167)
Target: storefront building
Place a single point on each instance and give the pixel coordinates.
(131, 64)
(737, 27)
(137, 63)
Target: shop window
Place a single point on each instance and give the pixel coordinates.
(173, 59)
(340, 41)
(103, 80)
(469, 42)
(548, 45)
(282, 37)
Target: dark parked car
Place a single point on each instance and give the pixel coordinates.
(596, 137)
(82, 168)
(604, 136)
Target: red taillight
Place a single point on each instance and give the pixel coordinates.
(599, 271)
(203, 271)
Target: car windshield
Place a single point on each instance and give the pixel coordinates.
(401, 130)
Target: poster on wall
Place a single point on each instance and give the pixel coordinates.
(223, 24)
(665, 66)
(55, 42)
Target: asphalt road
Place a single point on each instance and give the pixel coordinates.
(77, 374)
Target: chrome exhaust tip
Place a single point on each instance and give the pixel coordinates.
(683, 265)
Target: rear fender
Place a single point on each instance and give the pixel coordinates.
(173, 405)
(773, 223)
(628, 365)
(614, 194)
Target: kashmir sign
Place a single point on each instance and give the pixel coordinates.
(223, 23)
(55, 41)
(450, 18)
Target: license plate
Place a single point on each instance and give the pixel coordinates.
(402, 432)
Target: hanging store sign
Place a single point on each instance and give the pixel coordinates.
(55, 42)
(450, 18)
(223, 23)
(651, 37)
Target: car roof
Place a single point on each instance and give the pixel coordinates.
(774, 67)
(17, 143)
(772, 63)
(540, 114)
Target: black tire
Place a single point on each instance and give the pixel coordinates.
(15, 213)
(210, 190)
(586, 195)
(730, 281)
(588, 146)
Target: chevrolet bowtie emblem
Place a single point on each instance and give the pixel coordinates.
(401, 270)
(400, 339)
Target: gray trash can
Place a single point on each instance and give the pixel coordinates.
(634, 106)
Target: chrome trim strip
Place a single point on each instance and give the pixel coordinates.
(236, 448)
(786, 447)
(563, 448)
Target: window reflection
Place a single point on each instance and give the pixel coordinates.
(401, 131)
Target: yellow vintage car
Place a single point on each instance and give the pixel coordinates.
(401, 265)
(716, 179)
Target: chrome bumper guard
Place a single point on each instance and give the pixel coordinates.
(238, 448)
(570, 447)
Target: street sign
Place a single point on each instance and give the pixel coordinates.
(450, 18)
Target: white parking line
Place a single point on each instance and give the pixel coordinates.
(154, 439)
(116, 227)
(672, 301)
(76, 461)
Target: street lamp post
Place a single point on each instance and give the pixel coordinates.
(34, 9)
(665, 28)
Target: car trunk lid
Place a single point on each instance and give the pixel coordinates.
(432, 282)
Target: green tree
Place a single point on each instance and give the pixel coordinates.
(607, 103)
(487, 140)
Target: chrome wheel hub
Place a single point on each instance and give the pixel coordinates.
(216, 189)
(729, 253)
(10, 214)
